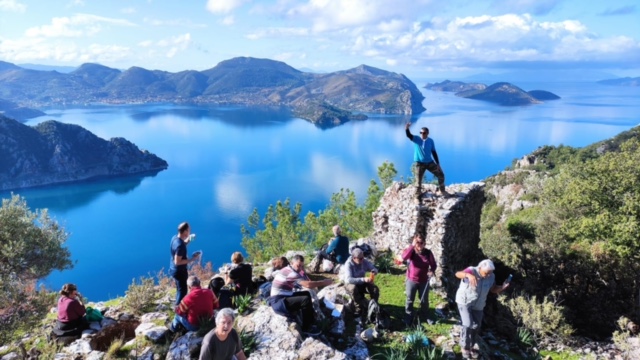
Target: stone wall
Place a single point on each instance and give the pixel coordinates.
(451, 225)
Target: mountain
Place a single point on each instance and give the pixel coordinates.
(502, 93)
(243, 80)
(454, 86)
(14, 111)
(52, 152)
(60, 69)
(626, 81)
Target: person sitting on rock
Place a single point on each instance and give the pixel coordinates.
(223, 342)
(277, 264)
(356, 283)
(337, 250)
(286, 301)
(240, 276)
(197, 305)
(72, 319)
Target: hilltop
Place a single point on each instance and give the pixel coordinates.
(626, 81)
(52, 152)
(502, 93)
(324, 99)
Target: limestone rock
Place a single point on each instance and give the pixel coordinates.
(151, 331)
(184, 347)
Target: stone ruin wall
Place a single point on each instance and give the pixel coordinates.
(451, 226)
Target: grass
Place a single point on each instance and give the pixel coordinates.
(559, 355)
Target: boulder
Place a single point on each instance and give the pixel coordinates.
(185, 347)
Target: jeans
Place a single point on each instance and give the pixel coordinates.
(182, 320)
(423, 293)
(180, 278)
(301, 301)
(471, 322)
(434, 169)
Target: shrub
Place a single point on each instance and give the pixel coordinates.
(249, 342)
(243, 302)
(384, 262)
(140, 297)
(542, 319)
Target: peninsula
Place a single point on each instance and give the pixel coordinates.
(52, 153)
(324, 99)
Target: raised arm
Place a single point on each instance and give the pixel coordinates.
(406, 129)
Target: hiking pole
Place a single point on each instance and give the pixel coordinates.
(424, 292)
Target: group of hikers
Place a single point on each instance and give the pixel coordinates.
(293, 294)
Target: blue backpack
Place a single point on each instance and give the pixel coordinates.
(264, 291)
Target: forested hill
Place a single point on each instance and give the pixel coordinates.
(566, 221)
(325, 99)
(52, 152)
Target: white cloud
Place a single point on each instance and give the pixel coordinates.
(228, 20)
(34, 49)
(128, 10)
(496, 39)
(277, 32)
(224, 6)
(12, 6)
(75, 26)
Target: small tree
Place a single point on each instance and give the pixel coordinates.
(31, 247)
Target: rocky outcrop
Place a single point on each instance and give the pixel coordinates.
(451, 225)
(454, 86)
(502, 93)
(52, 152)
(625, 81)
(15, 111)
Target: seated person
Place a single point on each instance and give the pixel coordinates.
(198, 304)
(337, 251)
(223, 342)
(356, 283)
(285, 300)
(240, 276)
(72, 319)
(277, 264)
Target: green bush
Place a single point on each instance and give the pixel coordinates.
(140, 297)
(249, 342)
(384, 262)
(543, 319)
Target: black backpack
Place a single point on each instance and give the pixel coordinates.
(216, 284)
(378, 316)
(222, 292)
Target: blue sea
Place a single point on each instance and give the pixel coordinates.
(226, 161)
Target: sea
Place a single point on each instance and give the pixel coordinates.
(225, 161)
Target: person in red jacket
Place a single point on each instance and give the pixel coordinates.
(421, 267)
(72, 319)
(198, 304)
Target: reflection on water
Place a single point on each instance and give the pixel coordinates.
(225, 161)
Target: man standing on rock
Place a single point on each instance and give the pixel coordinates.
(423, 150)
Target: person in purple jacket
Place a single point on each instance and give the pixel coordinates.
(421, 267)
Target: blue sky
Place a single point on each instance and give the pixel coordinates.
(426, 38)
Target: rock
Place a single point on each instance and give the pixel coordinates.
(154, 317)
(184, 347)
(151, 331)
(277, 337)
(80, 347)
(11, 356)
(312, 349)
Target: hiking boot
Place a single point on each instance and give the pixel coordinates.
(312, 331)
(445, 194)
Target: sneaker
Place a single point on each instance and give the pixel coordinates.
(312, 331)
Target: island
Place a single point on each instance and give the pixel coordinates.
(325, 99)
(625, 81)
(53, 152)
(15, 111)
(502, 93)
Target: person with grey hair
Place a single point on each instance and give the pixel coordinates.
(223, 342)
(336, 251)
(357, 283)
(198, 304)
(471, 297)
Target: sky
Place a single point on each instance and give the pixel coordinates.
(423, 38)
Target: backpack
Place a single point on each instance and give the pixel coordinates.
(377, 316)
(215, 284)
(226, 298)
(366, 249)
(264, 291)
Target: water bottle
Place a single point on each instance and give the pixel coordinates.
(192, 237)
(509, 279)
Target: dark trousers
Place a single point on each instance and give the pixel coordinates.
(322, 255)
(358, 292)
(180, 278)
(433, 168)
(411, 288)
(301, 301)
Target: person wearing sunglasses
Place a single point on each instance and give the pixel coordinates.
(421, 268)
(425, 158)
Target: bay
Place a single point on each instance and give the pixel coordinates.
(226, 161)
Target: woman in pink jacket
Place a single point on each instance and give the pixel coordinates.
(421, 267)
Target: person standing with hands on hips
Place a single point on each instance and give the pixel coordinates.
(471, 297)
(422, 266)
(180, 260)
(425, 158)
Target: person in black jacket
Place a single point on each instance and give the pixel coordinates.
(241, 275)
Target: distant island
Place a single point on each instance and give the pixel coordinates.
(502, 93)
(324, 99)
(626, 81)
(52, 153)
(15, 111)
